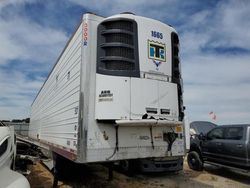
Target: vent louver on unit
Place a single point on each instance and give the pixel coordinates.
(117, 45)
(176, 72)
(175, 58)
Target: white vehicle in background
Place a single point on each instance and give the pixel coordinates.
(8, 177)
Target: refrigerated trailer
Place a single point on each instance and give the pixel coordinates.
(115, 93)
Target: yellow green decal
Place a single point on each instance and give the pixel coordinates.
(156, 51)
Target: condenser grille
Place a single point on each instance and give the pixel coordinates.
(175, 58)
(120, 51)
(118, 65)
(119, 37)
(117, 52)
(176, 72)
(120, 24)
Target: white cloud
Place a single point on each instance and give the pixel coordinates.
(25, 40)
(233, 24)
(16, 94)
(217, 69)
(212, 81)
(35, 48)
(4, 3)
(217, 83)
(159, 9)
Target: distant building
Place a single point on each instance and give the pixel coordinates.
(21, 128)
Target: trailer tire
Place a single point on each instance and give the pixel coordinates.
(129, 167)
(194, 161)
(124, 164)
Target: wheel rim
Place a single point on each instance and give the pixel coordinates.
(193, 160)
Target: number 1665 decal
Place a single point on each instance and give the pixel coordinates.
(157, 34)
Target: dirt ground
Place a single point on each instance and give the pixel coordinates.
(96, 177)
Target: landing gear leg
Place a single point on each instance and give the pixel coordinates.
(55, 171)
(111, 176)
(55, 181)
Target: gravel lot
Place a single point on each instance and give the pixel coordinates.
(96, 177)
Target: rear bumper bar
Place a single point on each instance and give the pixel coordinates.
(147, 165)
(148, 122)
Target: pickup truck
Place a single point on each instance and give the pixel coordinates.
(225, 145)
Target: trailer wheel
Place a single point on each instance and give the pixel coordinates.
(129, 167)
(194, 161)
(124, 164)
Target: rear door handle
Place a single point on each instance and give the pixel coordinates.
(239, 145)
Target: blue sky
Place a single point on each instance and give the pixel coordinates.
(215, 49)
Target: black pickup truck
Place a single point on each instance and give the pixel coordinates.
(225, 145)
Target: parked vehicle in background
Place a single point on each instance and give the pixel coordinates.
(227, 145)
(8, 177)
(201, 127)
(197, 129)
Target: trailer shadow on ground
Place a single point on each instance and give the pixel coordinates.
(236, 175)
(96, 176)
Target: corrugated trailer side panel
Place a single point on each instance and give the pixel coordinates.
(54, 112)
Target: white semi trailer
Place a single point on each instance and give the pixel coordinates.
(115, 93)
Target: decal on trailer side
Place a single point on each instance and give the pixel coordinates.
(157, 34)
(156, 52)
(105, 95)
(85, 34)
(143, 137)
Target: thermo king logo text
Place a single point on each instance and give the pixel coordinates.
(157, 51)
